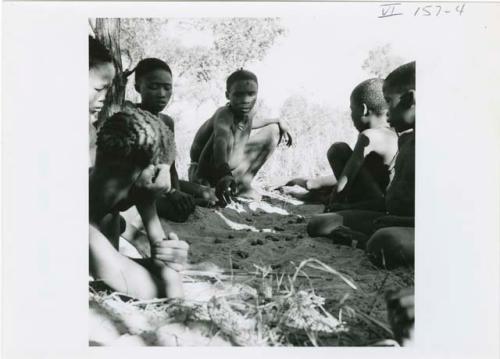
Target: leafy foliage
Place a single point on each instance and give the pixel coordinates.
(215, 48)
(381, 61)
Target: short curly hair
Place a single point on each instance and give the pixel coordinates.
(370, 93)
(135, 137)
(148, 65)
(240, 75)
(402, 79)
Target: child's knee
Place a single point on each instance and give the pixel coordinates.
(339, 150)
(391, 247)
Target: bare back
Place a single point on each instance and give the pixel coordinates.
(383, 142)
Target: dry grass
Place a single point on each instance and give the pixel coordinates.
(263, 308)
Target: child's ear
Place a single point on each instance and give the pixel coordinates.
(227, 95)
(137, 88)
(408, 98)
(365, 110)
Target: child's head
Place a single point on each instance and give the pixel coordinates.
(135, 138)
(367, 103)
(399, 92)
(241, 91)
(153, 80)
(101, 74)
(128, 143)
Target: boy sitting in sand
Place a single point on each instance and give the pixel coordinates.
(130, 146)
(153, 81)
(224, 155)
(361, 173)
(393, 217)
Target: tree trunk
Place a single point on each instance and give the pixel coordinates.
(107, 31)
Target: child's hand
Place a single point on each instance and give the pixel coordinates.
(151, 183)
(172, 251)
(285, 133)
(183, 202)
(225, 189)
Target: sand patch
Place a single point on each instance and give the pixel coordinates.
(248, 238)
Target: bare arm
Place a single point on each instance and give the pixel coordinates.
(222, 134)
(259, 122)
(354, 164)
(146, 206)
(120, 272)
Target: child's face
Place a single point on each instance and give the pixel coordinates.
(155, 88)
(100, 80)
(242, 96)
(401, 109)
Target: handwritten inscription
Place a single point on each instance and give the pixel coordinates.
(398, 9)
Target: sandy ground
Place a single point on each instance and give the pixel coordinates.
(273, 233)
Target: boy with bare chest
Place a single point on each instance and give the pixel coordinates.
(224, 153)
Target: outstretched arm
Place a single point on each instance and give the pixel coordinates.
(259, 122)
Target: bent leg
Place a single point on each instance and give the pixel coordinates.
(260, 146)
(364, 185)
(121, 273)
(391, 247)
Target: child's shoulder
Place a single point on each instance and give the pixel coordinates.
(384, 133)
(223, 114)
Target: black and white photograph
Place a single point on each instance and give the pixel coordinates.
(249, 179)
(244, 191)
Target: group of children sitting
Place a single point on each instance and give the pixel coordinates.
(132, 163)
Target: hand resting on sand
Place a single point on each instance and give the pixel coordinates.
(225, 190)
